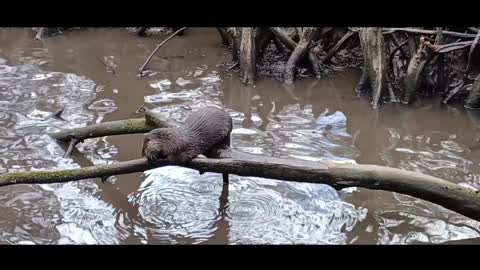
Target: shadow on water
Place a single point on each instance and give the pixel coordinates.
(311, 120)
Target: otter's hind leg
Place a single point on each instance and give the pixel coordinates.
(213, 153)
(226, 144)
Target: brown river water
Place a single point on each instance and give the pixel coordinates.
(320, 120)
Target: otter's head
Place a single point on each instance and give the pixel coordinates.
(156, 144)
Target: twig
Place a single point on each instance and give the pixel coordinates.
(337, 46)
(232, 66)
(142, 68)
(108, 66)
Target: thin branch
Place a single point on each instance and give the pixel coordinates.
(108, 66)
(140, 72)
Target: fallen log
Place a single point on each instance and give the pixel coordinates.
(435, 190)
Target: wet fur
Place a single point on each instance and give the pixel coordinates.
(203, 132)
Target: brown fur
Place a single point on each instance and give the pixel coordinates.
(204, 131)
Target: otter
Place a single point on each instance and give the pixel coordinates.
(203, 132)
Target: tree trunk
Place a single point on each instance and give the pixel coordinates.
(300, 50)
(247, 56)
(375, 61)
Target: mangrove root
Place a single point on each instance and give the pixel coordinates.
(300, 50)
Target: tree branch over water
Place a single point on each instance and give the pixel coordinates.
(429, 188)
(435, 190)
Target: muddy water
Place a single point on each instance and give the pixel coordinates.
(311, 120)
